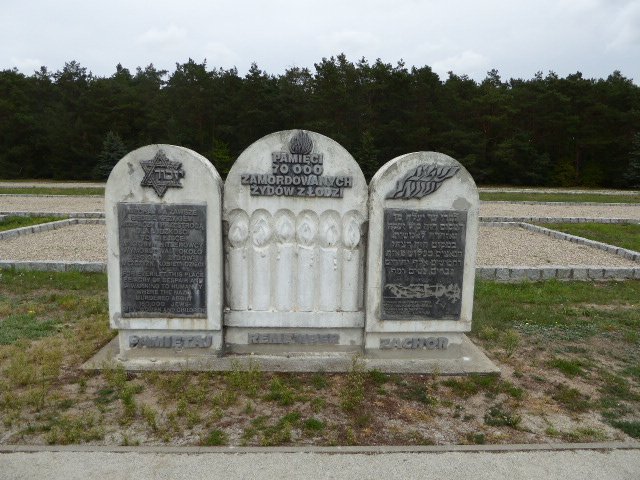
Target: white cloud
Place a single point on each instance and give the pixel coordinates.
(27, 65)
(467, 62)
(166, 37)
(627, 27)
(220, 55)
(350, 41)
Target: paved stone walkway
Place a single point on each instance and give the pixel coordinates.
(452, 465)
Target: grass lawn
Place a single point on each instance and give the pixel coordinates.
(559, 197)
(625, 235)
(568, 354)
(51, 191)
(9, 223)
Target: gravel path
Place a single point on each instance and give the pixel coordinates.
(495, 209)
(52, 184)
(15, 203)
(72, 204)
(515, 246)
(498, 246)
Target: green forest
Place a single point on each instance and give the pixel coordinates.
(547, 130)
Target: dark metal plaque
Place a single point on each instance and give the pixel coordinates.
(423, 264)
(163, 260)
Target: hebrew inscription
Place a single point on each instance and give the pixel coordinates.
(162, 259)
(422, 264)
(297, 173)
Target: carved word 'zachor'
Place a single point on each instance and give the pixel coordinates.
(430, 343)
(296, 338)
(171, 341)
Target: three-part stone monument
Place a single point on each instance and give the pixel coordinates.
(423, 233)
(295, 211)
(164, 236)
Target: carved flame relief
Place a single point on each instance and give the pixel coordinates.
(301, 143)
(285, 229)
(261, 232)
(239, 232)
(330, 232)
(351, 234)
(307, 229)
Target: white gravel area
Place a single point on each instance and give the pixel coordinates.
(72, 204)
(495, 209)
(16, 203)
(45, 184)
(497, 246)
(515, 246)
(87, 243)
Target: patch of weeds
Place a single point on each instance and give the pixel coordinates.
(313, 425)
(225, 399)
(377, 377)
(633, 372)
(319, 381)
(571, 398)
(127, 395)
(247, 379)
(105, 396)
(318, 404)
(569, 368)
(476, 438)
(498, 416)
(216, 438)
(631, 428)
(73, 430)
(417, 438)
(127, 442)
(150, 416)
(196, 394)
(492, 385)
(193, 418)
(418, 393)
(249, 408)
(280, 433)
(27, 326)
(352, 392)
(616, 386)
(510, 341)
(363, 420)
(584, 434)
(281, 393)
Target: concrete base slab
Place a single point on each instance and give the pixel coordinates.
(472, 360)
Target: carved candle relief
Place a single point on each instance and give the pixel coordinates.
(306, 230)
(261, 260)
(351, 265)
(238, 276)
(284, 283)
(329, 271)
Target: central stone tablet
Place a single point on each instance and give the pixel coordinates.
(294, 212)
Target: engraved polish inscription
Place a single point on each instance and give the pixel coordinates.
(297, 173)
(422, 264)
(162, 260)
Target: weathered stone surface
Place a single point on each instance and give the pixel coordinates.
(295, 210)
(423, 232)
(164, 233)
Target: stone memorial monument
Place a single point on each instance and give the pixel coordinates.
(295, 209)
(423, 234)
(288, 247)
(164, 235)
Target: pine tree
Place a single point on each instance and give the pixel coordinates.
(113, 149)
(632, 175)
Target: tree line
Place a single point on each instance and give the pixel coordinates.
(547, 130)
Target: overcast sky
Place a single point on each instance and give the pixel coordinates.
(517, 37)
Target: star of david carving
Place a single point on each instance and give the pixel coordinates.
(160, 173)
